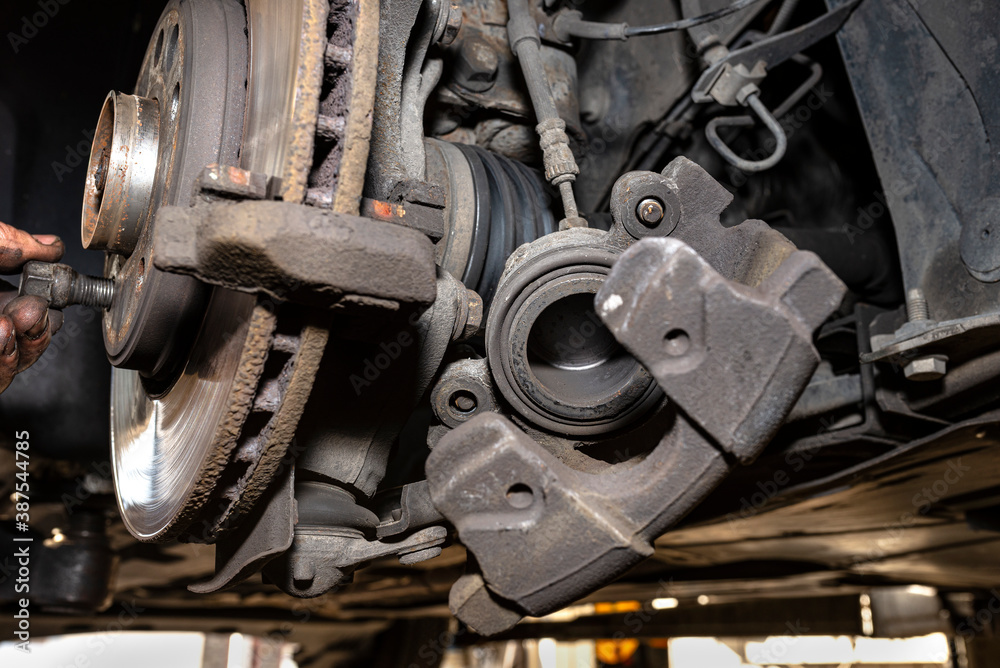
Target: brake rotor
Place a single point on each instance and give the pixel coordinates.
(200, 422)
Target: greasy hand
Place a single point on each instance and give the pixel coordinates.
(26, 324)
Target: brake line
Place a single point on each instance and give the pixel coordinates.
(569, 24)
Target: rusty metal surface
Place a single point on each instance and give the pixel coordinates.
(150, 323)
(305, 107)
(426, 219)
(358, 128)
(201, 113)
(298, 348)
(282, 395)
(267, 430)
(579, 531)
(294, 357)
(715, 322)
(228, 182)
(120, 173)
(299, 253)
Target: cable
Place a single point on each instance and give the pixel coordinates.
(684, 24)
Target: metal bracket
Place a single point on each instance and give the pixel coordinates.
(413, 510)
(321, 558)
(296, 253)
(770, 52)
(732, 359)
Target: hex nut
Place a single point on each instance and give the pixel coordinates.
(37, 279)
(931, 367)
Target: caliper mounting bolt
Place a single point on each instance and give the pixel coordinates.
(650, 211)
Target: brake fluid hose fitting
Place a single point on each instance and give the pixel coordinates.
(560, 165)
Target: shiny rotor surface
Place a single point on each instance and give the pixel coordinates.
(169, 449)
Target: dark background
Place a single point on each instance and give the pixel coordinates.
(58, 60)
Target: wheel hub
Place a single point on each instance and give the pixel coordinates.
(193, 445)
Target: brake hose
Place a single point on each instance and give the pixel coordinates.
(560, 165)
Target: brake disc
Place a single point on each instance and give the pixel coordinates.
(201, 423)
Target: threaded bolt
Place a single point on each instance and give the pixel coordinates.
(928, 367)
(92, 291)
(916, 305)
(650, 211)
(61, 286)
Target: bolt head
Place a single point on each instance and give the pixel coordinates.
(37, 279)
(650, 211)
(52, 282)
(474, 321)
(476, 67)
(464, 403)
(931, 367)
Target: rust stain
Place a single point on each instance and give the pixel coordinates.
(239, 176)
(383, 209)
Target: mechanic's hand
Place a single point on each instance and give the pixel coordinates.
(26, 324)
